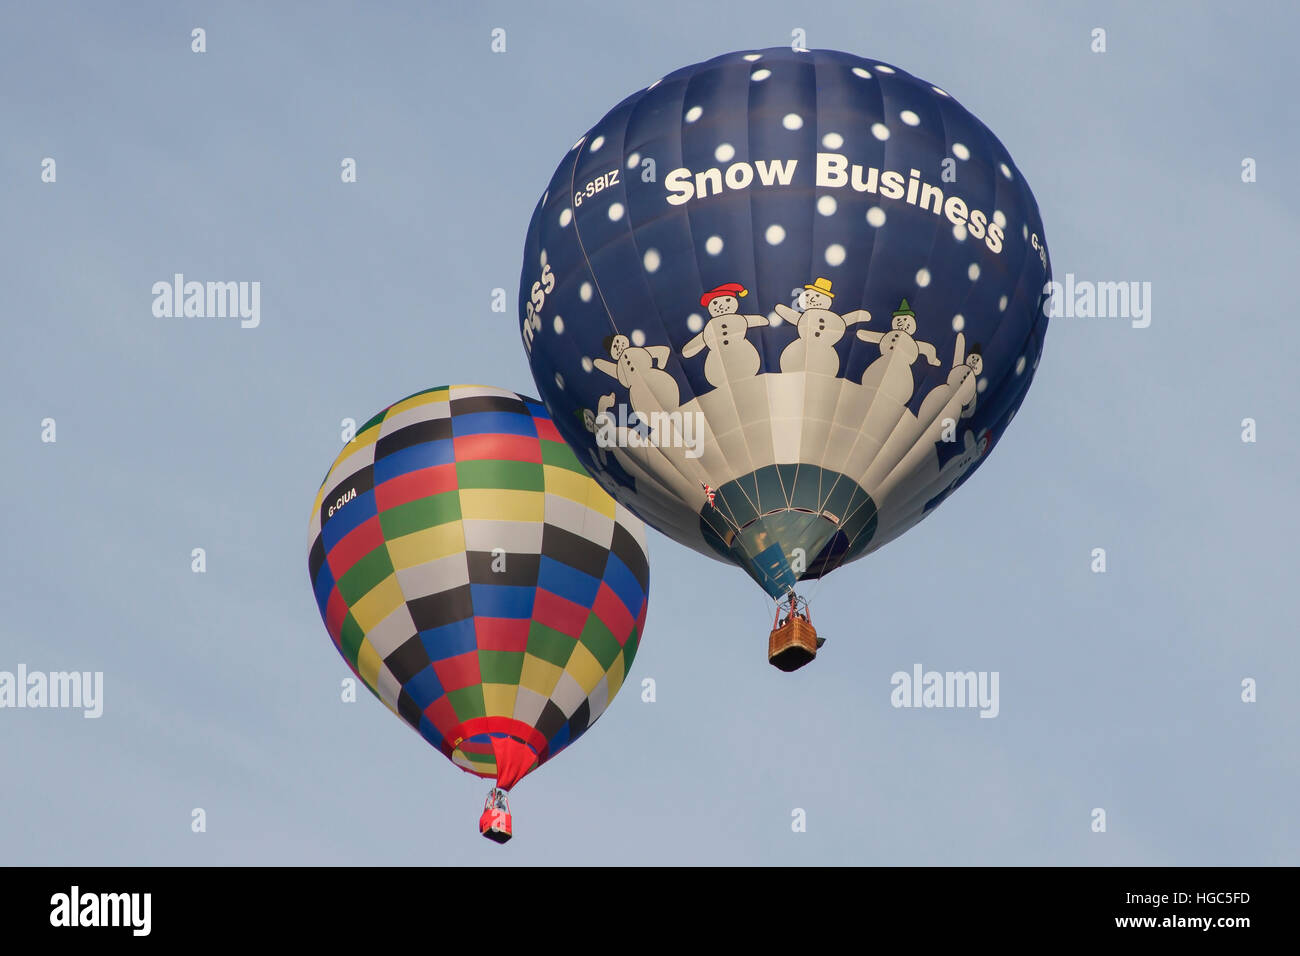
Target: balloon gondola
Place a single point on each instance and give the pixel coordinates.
(793, 641)
(495, 822)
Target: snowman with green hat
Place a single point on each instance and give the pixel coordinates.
(891, 374)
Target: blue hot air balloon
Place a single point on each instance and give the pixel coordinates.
(783, 303)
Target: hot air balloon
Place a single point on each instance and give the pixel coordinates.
(478, 581)
(783, 303)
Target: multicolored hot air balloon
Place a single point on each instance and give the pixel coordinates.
(477, 580)
(783, 303)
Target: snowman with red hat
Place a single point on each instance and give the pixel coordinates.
(731, 355)
(819, 330)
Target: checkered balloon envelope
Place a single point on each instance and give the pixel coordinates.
(476, 579)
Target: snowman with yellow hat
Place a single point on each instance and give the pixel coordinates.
(819, 329)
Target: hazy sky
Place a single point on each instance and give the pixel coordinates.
(1119, 691)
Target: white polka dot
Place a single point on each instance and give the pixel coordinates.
(880, 131)
(1020, 365)
(859, 71)
(960, 151)
(577, 144)
(638, 338)
(826, 205)
(633, 160)
(694, 113)
(1002, 304)
(542, 258)
(596, 144)
(910, 118)
(875, 217)
(544, 195)
(751, 57)
(615, 211)
(695, 321)
(584, 292)
(559, 325)
(792, 121)
(959, 232)
(981, 385)
(973, 272)
(880, 67)
(587, 365)
(566, 217)
(1036, 361)
(1024, 232)
(835, 254)
(651, 260)
(758, 76)
(958, 322)
(654, 84)
(999, 218)
(713, 245)
(773, 319)
(774, 235)
(923, 277)
(939, 91)
(1006, 170)
(559, 380)
(832, 140)
(724, 153)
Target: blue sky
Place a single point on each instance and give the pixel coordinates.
(1119, 690)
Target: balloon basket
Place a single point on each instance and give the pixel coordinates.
(793, 641)
(495, 823)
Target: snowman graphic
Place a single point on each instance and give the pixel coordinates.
(973, 450)
(663, 488)
(731, 355)
(819, 330)
(649, 389)
(591, 422)
(891, 374)
(961, 387)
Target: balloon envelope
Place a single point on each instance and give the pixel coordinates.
(476, 579)
(783, 302)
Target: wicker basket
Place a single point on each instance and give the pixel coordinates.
(792, 644)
